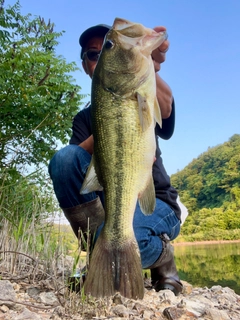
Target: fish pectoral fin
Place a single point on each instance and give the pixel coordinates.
(147, 199)
(91, 182)
(144, 112)
(157, 113)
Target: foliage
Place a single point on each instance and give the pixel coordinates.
(68, 238)
(210, 188)
(24, 198)
(24, 207)
(38, 97)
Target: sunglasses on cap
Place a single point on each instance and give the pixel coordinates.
(92, 54)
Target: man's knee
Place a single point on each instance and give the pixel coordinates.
(63, 161)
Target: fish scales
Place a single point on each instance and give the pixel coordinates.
(120, 166)
(124, 111)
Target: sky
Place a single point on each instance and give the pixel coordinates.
(202, 65)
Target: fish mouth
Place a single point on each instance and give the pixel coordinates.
(135, 34)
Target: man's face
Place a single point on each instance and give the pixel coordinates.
(93, 46)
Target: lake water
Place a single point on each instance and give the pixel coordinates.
(206, 265)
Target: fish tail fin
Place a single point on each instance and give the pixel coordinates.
(115, 269)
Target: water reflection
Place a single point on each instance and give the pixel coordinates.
(206, 265)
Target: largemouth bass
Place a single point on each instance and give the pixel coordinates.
(124, 113)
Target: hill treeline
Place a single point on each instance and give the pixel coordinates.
(210, 188)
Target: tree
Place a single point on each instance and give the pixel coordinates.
(38, 96)
(210, 188)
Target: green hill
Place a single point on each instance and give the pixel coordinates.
(210, 188)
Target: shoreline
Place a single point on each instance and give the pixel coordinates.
(205, 242)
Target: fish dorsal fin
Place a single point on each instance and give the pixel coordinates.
(91, 182)
(147, 199)
(144, 112)
(157, 113)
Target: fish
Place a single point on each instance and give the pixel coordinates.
(124, 111)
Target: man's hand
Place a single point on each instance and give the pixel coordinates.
(164, 92)
(88, 144)
(159, 54)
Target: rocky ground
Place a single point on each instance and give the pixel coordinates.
(34, 290)
(23, 299)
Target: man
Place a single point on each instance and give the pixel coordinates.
(69, 165)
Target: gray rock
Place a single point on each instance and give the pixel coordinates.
(7, 294)
(48, 298)
(167, 296)
(148, 314)
(27, 315)
(33, 292)
(217, 289)
(195, 307)
(173, 313)
(4, 308)
(120, 310)
(217, 314)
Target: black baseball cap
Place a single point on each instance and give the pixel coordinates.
(99, 30)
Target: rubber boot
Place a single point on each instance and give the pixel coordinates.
(164, 272)
(86, 218)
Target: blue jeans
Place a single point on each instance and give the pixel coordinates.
(67, 170)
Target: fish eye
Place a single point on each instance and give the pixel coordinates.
(109, 44)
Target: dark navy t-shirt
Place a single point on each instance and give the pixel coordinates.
(82, 129)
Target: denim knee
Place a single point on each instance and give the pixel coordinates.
(65, 160)
(67, 170)
(148, 229)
